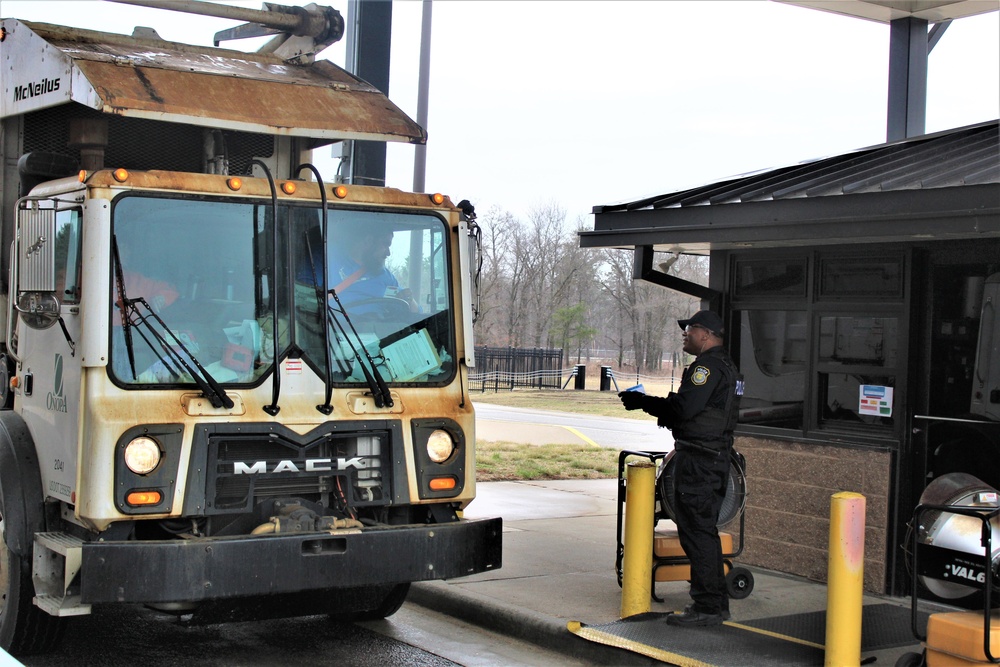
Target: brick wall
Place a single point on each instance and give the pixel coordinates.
(788, 505)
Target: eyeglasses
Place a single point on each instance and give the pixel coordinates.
(689, 328)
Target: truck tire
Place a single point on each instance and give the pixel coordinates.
(24, 628)
(383, 602)
(390, 604)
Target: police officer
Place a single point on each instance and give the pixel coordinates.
(701, 415)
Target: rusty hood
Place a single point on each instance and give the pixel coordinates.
(146, 77)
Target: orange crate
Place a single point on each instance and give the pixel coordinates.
(956, 638)
(667, 545)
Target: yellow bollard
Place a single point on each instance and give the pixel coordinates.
(637, 561)
(845, 579)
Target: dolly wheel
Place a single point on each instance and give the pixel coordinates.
(911, 660)
(739, 583)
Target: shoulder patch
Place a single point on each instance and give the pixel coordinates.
(700, 375)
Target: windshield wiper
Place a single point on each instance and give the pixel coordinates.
(175, 350)
(132, 316)
(379, 389)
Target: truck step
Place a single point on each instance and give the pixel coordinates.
(55, 566)
(59, 542)
(55, 606)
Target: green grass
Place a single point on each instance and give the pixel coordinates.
(601, 403)
(496, 461)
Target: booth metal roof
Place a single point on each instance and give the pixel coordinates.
(943, 185)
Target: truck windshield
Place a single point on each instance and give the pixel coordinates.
(209, 271)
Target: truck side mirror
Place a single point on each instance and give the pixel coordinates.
(35, 257)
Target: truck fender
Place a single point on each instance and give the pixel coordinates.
(21, 483)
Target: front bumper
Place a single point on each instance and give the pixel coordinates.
(227, 567)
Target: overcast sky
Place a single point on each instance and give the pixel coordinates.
(583, 103)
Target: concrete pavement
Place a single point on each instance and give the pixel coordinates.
(540, 427)
(559, 565)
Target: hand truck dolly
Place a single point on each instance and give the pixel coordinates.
(669, 561)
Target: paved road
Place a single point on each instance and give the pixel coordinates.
(127, 635)
(122, 636)
(542, 427)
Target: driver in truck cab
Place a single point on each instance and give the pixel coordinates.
(357, 271)
(360, 272)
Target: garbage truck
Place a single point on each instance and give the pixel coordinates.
(231, 386)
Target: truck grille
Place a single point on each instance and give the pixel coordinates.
(334, 469)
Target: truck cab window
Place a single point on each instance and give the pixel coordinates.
(68, 255)
(192, 263)
(206, 268)
(387, 294)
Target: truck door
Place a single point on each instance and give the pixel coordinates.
(44, 329)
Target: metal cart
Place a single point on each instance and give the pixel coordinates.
(669, 561)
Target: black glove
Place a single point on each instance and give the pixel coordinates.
(633, 400)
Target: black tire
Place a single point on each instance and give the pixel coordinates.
(739, 583)
(910, 660)
(24, 628)
(391, 604)
(383, 603)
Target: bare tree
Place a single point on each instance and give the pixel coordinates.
(535, 270)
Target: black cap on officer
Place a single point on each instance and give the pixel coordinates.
(706, 319)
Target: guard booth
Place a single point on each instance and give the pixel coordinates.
(852, 290)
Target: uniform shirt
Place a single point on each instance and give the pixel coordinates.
(696, 412)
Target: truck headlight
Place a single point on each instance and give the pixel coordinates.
(142, 455)
(440, 446)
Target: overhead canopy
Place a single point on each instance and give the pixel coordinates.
(884, 11)
(938, 186)
(211, 87)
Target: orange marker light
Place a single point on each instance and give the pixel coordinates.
(82, 176)
(121, 175)
(234, 183)
(442, 483)
(288, 188)
(437, 198)
(340, 191)
(144, 498)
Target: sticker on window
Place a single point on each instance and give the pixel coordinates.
(875, 400)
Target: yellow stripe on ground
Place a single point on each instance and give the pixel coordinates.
(581, 436)
(776, 635)
(609, 639)
(636, 647)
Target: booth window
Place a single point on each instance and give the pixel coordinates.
(779, 278)
(864, 278)
(774, 356)
(821, 341)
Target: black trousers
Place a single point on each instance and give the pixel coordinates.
(700, 482)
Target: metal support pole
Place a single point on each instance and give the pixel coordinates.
(845, 579)
(423, 86)
(637, 559)
(371, 41)
(907, 78)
